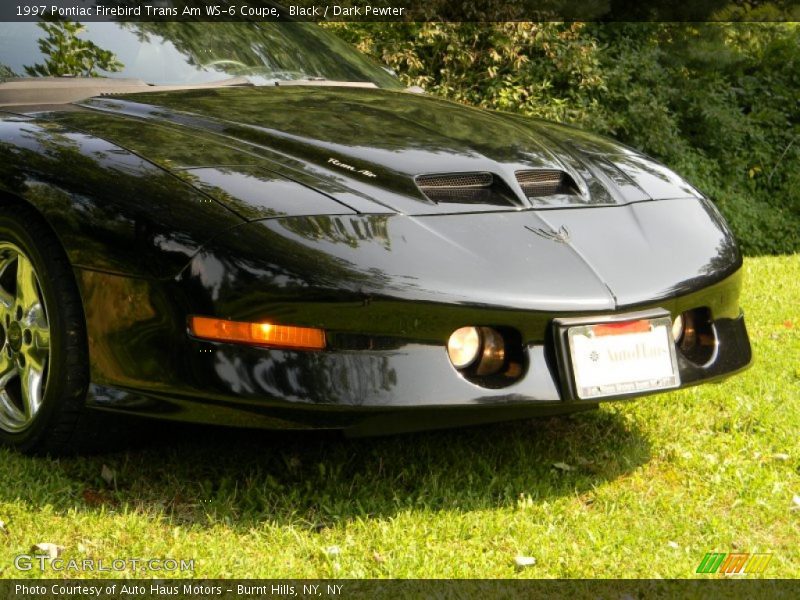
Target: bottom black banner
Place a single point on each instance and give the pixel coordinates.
(329, 589)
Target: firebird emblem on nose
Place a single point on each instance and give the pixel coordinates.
(561, 236)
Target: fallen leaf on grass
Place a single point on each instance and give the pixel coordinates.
(92, 498)
(108, 475)
(47, 549)
(95, 498)
(4, 528)
(781, 456)
(524, 561)
(333, 550)
(563, 466)
(795, 503)
(378, 557)
(672, 544)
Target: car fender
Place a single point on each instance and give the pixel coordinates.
(111, 209)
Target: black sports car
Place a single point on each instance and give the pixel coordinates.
(252, 224)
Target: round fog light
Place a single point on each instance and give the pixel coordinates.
(677, 328)
(463, 347)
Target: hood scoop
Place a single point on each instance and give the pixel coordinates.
(487, 188)
(536, 184)
(466, 188)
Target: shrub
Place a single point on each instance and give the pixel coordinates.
(717, 102)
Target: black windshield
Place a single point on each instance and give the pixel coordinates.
(179, 53)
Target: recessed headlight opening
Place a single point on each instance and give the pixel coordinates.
(698, 339)
(488, 356)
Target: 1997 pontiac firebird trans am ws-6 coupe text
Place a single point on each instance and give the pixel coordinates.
(252, 224)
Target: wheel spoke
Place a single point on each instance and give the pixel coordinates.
(35, 316)
(31, 382)
(7, 369)
(6, 261)
(6, 298)
(41, 339)
(36, 322)
(8, 410)
(27, 292)
(6, 301)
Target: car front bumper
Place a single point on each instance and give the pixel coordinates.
(145, 363)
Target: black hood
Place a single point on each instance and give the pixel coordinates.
(629, 231)
(364, 148)
(632, 233)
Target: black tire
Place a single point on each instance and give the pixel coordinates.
(61, 424)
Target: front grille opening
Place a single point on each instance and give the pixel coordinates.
(536, 184)
(466, 188)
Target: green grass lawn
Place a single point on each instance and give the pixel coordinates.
(655, 485)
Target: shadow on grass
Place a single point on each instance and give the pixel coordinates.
(202, 476)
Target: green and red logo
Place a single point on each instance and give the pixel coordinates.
(737, 563)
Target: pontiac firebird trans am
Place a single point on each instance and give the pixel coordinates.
(252, 224)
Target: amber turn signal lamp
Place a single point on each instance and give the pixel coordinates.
(258, 334)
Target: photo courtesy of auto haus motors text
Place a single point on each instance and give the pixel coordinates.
(177, 590)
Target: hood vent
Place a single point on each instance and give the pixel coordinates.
(456, 180)
(536, 184)
(465, 188)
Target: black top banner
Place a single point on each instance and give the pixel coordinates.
(402, 10)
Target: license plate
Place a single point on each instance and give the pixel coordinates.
(610, 359)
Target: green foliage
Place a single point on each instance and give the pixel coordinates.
(69, 55)
(236, 49)
(717, 102)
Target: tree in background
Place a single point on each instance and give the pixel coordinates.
(69, 55)
(718, 102)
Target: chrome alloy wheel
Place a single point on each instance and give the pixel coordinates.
(25, 337)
